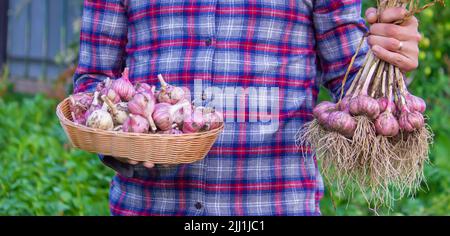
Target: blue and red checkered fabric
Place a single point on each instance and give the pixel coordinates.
(262, 61)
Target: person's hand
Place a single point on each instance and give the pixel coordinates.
(396, 44)
(147, 164)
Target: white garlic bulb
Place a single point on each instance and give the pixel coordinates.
(100, 119)
(120, 113)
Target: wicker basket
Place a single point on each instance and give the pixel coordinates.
(157, 148)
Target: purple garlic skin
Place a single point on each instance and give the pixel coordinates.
(363, 105)
(322, 107)
(342, 123)
(415, 103)
(124, 88)
(386, 125)
(162, 119)
(344, 105)
(164, 115)
(411, 121)
(170, 94)
(172, 131)
(79, 105)
(96, 104)
(104, 85)
(216, 120)
(323, 119)
(187, 94)
(194, 120)
(321, 112)
(145, 88)
(142, 104)
(135, 124)
(178, 117)
(383, 103)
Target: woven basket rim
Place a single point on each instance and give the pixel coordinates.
(67, 122)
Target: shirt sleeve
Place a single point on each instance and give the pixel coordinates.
(339, 28)
(103, 39)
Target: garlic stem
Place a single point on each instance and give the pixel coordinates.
(390, 87)
(401, 81)
(73, 116)
(383, 85)
(72, 101)
(104, 107)
(350, 67)
(110, 104)
(95, 100)
(354, 82)
(366, 69)
(401, 93)
(162, 81)
(391, 77)
(118, 128)
(378, 78)
(358, 76)
(369, 78)
(152, 124)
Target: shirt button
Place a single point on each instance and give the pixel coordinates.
(198, 205)
(208, 42)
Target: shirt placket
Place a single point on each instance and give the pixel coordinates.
(210, 46)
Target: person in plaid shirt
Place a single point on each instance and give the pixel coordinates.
(274, 54)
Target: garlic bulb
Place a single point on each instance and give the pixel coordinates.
(124, 88)
(79, 105)
(411, 121)
(384, 104)
(112, 95)
(415, 103)
(216, 120)
(386, 124)
(323, 107)
(122, 112)
(364, 105)
(171, 131)
(164, 115)
(143, 87)
(169, 94)
(118, 111)
(135, 124)
(100, 119)
(213, 119)
(344, 105)
(194, 121)
(342, 123)
(143, 104)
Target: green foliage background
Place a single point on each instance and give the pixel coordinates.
(42, 175)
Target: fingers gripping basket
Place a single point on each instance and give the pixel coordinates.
(157, 148)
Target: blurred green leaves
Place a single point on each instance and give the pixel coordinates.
(41, 174)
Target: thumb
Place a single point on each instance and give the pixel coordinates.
(371, 15)
(149, 165)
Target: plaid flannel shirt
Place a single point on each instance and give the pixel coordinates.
(260, 52)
